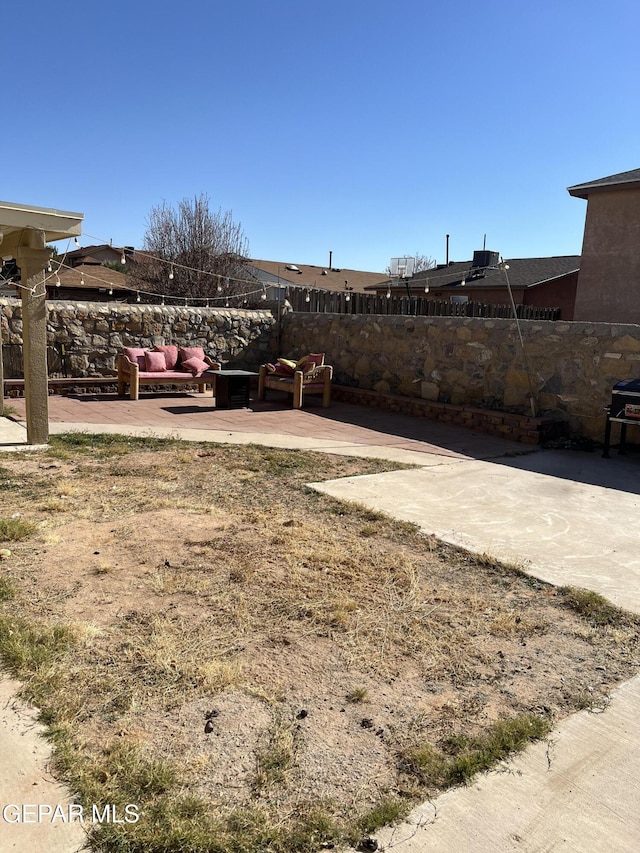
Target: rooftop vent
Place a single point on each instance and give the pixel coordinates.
(485, 258)
(292, 267)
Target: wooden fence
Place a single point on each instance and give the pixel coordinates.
(332, 302)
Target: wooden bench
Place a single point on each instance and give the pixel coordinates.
(129, 373)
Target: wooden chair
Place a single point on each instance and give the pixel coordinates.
(315, 381)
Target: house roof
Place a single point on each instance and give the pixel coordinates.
(623, 180)
(308, 275)
(90, 277)
(523, 273)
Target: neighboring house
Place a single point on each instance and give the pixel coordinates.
(88, 283)
(97, 255)
(278, 275)
(540, 282)
(609, 280)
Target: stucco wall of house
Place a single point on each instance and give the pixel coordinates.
(609, 280)
(569, 367)
(558, 293)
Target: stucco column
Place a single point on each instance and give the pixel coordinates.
(32, 261)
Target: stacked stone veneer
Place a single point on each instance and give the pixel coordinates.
(461, 370)
(476, 363)
(84, 338)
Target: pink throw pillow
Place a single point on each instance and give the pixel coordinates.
(170, 354)
(136, 354)
(191, 352)
(195, 365)
(155, 362)
(314, 359)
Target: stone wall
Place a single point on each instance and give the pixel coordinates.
(84, 338)
(569, 368)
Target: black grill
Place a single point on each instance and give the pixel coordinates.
(624, 409)
(625, 400)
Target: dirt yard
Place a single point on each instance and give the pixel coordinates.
(283, 658)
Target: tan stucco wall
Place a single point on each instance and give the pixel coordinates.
(609, 280)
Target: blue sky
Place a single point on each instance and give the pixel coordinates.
(370, 129)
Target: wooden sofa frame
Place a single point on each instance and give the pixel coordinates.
(316, 381)
(129, 373)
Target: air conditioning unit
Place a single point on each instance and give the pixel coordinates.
(484, 258)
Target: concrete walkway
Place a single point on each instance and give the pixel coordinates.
(565, 516)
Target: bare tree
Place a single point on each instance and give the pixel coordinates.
(192, 252)
(423, 262)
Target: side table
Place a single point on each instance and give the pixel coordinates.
(230, 387)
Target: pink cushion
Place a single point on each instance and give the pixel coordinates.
(314, 359)
(195, 365)
(136, 354)
(155, 362)
(191, 352)
(170, 354)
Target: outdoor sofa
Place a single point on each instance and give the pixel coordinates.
(163, 365)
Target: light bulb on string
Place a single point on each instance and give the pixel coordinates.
(110, 289)
(123, 258)
(49, 268)
(138, 297)
(426, 288)
(388, 294)
(81, 279)
(219, 288)
(463, 282)
(171, 273)
(57, 280)
(263, 295)
(307, 298)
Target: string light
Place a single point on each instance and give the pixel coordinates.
(123, 258)
(171, 273)
(81, 279)
(307, 297)
(138, 297)
(57, 280)
(110, 289)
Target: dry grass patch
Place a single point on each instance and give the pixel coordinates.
(260, 667)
